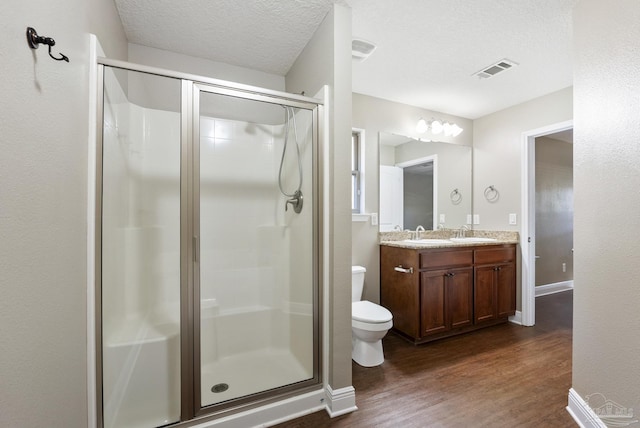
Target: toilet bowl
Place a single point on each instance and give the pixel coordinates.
(369, 324)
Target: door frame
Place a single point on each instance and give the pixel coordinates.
(528, 215)
(419, 161)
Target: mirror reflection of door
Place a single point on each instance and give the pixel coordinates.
(391, 198)
(418, 196)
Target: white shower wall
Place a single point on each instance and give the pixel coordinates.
(239, 168)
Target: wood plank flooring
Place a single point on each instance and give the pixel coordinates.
(502, 376)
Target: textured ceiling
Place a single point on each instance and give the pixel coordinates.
(427, 49)
(263, 35)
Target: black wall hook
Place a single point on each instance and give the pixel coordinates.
(34, 40)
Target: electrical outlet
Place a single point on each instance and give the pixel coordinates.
(374, 219)
(476, 219)
(564, 267)
(513, 219)
(441, 218)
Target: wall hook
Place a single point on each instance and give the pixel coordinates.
(34, 40)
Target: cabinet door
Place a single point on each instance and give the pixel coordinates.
(432, 302)
(506, 290)
(400, 291)
(459, 297)
(485, 294)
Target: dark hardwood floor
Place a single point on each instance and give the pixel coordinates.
(502, 376)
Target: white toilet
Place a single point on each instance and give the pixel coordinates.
(369, 324)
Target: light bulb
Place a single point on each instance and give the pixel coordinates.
(422, 126)
(456, 130)
(436, 127)
(447, 129)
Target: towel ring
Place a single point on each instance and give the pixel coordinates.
(456, 196)
(491, 193)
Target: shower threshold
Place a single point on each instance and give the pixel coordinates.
(249, 373)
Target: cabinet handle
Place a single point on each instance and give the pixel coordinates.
(403, 270)
(449, 274)
(497, 268)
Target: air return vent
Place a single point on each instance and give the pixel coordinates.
(496, 68)
(361, 49)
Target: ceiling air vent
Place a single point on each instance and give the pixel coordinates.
(361, 49)
(496, 68)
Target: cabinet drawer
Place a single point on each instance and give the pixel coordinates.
(436, 259)
(495, 255)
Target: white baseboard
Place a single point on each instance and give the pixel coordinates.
(271, 414)
(517, 318)
(582, 413)
(341, 401)
(556, 287)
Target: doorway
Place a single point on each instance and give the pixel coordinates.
(528, 230)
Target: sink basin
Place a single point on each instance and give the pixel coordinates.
(474, 239)
(426, 241)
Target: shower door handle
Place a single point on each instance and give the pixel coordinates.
(196, 256)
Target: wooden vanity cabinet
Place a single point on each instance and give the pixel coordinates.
(446, 299)
(495, 284)
(439, 292)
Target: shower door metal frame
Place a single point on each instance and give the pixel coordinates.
(260, 397)
(192, 412)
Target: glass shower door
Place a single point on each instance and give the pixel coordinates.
(255, 264)
(140, 249)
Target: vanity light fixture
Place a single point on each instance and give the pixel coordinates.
(422, 126)
(456, 130)
(437, 126)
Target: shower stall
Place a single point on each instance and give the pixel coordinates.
(207, 246)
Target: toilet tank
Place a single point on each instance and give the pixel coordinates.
(357, 282)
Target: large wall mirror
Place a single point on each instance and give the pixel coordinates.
(424, 183)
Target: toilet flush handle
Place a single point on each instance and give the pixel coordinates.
(403, 270)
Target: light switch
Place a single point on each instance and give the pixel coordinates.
(476, 219)
(374, 219)
(513, 219)
(441, 218)
(469, 221)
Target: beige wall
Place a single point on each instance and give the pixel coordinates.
(326, 60)
(497, 157)
(554, 210)
(375, 115)
(606, 327)
(497, 145)
(43, 208)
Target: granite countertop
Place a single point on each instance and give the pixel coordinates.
(443, 238)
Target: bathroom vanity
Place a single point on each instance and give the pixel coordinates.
(439, 290)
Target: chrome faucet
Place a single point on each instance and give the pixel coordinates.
(397, 228)
(462, 231)
(419, 229)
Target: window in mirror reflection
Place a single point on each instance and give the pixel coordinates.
(356, 205)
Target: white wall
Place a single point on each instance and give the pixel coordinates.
(606, 327)
(326, 60)
(376, 115)
(497, 143)
(153, 57)
(43, 209)
(497, 157)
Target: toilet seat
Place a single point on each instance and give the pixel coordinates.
(369, 312)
